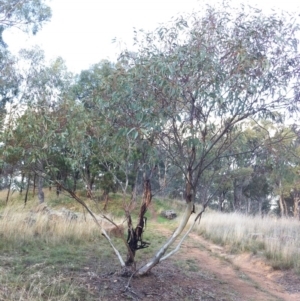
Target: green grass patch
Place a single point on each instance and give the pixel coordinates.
(38, 270)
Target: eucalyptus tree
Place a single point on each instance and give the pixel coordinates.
(29, 130)
(198, 78)
(124, 151)
(28, 16)
(188, 89)
(10, 80)
(283, 159)
(243, 158)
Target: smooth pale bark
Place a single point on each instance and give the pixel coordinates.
(40, 179)
(160, 254)
(221, 201)
(296, 207)
(180, 242)
(282, 203)
(41, 195)
(115, 250)
(8, 190)
(282, 206)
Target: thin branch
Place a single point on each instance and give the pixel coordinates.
(115, 250)
(95, 220)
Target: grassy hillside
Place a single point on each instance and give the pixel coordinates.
(51, 259)
(40, 256)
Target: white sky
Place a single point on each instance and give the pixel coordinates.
(81, 31)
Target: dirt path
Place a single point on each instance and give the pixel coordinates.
(200, 271)
(245, 274)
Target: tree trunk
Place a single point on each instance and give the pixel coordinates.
(58, 190)
(160, 255)
(282, 206)
(22, 183)
(34, 185)
(134, 191)
(135, 239)
(248, 206)
(282, 203)
(89, 179)
(40, 189)
(162, 177)
(8, 191)
(296, 201)
(27, 190)
(106, 199)
(75, 178)
(237, 196)
(221, 201)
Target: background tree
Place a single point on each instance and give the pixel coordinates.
(42, 92)
(283, 158)
(28, 16)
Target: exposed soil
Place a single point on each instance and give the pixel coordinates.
(248, 275)
(200, 271)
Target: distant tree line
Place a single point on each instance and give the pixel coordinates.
(198, 112)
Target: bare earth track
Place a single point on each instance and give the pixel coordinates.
(246, 274)
(202, 271)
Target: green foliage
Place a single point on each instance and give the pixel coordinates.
(28, 15)
(10, 81)
(178, 110)
(200, 76)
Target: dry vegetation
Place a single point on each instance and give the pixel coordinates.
(46, 259)
(277, 239)
(41, 254)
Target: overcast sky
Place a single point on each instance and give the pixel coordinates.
(81, 31)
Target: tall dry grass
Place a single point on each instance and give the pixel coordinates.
(18, 224)
(278, 239)
(40, 253)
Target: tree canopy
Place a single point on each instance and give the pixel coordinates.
(28, 16)
(197, 109)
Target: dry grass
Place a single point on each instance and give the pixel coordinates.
(33, 289)
(17, 223)
(40, 256)
(277, 239)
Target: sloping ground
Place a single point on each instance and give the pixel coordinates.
(248, 275)
(200, 271)
(86, 271)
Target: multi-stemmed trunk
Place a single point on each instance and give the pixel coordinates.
(189, 209)
(135, 238)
